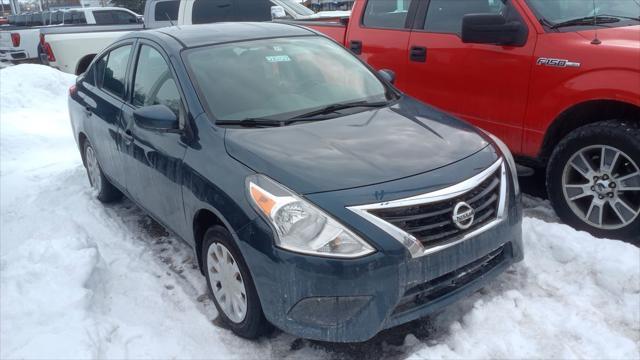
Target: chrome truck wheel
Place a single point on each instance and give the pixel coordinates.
(601, 184)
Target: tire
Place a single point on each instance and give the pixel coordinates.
(252, 324)
(103, 188)
(593, 179)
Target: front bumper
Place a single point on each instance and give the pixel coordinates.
(352, 300)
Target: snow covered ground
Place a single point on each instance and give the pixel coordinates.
(83, 280)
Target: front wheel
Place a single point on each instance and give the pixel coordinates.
(231, 285)
(593, 179)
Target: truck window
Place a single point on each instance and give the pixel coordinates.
(209, 11)
(167, 10)
(153, 82)
(115, 67)
(445, 16)
(114, 17)
(74, 17)
(254, 10)
(390, 14)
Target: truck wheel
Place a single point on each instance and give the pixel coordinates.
(231, 285)
(593, 179)
(104, 190)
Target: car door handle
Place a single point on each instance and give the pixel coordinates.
(355, 46)
(418, 54)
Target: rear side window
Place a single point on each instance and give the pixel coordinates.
(75, 17)
(167, 10)
(111, 70)
(389, 14)
(254, 10)
(209, 11)
(445, 16)
(153, 82)
(114, 17)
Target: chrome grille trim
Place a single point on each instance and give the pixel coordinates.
(415, 247)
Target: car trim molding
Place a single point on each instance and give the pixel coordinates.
(415, 247)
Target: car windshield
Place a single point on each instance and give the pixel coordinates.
(558, 11)
(280, 78)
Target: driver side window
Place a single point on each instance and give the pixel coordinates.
(445, 16)
(153, 83)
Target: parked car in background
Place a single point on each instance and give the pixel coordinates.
(558, 81)
(72, 50)
(20, 41)
(161, 13)
(317, 197)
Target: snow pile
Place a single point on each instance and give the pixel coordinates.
(82, 280)
(574, 296)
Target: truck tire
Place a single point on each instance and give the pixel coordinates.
(104, 190)
(593, 179)
(231, 286)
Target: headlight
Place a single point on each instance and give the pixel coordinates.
(299, 225)
(504, 149)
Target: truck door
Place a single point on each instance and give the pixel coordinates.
(484, 84)
(380, 33)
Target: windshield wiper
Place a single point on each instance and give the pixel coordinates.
(339, 106)
(253, 122)
(636, 18)
(587, 20)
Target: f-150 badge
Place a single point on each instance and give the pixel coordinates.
(557, 62)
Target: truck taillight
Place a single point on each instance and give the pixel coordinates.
(47, 50)
(73, 90)
(15, 39)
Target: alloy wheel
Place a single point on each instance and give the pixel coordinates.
(601, 185)
(226, 282)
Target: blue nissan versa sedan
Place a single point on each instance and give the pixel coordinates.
(317, 197)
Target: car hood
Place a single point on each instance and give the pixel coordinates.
(370, 147)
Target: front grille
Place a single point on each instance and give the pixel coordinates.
(424, 293)
(432, 223)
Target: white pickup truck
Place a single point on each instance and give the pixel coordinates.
(19, 41)
(72, 49)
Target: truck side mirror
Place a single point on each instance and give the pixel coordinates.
(388, 75)
(277, 12)
(492, 29)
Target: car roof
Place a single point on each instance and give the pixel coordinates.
(209, 34)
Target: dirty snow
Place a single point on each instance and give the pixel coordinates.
(82, 280)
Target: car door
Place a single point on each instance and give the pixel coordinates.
(380, 37)
(482, 83)
(155, 156)
(106, 87)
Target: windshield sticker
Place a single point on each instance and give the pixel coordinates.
(278, 58)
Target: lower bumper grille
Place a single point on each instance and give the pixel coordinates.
(422, 294)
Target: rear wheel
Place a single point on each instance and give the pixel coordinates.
(593, 179)
(103, 189)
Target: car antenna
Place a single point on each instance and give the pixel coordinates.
(595, 41)
(171, 21)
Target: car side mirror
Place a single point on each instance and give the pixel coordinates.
(277, 12)
(388, 75)
(156, 117)
(492, 29)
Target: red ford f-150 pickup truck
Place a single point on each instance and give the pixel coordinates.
(558, 81)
